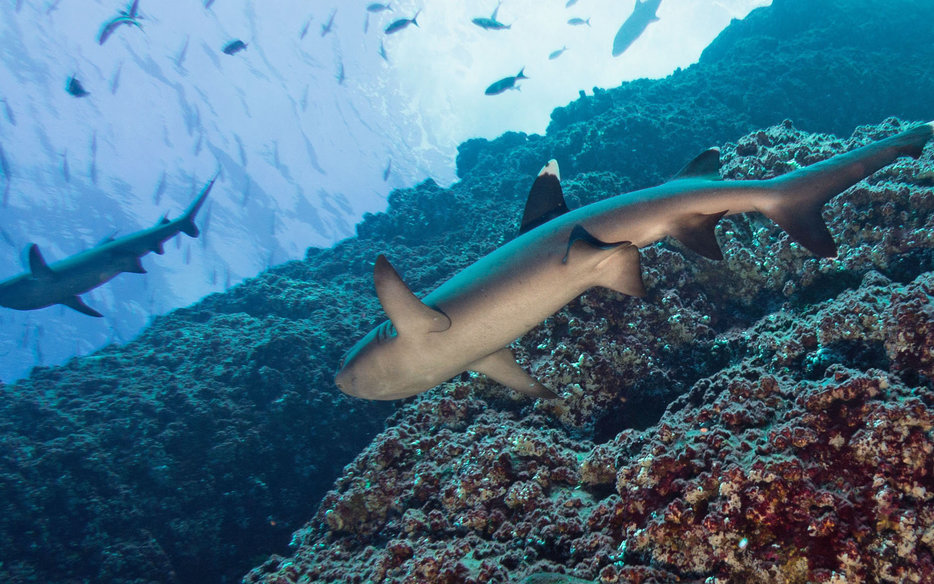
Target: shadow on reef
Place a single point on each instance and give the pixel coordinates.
(186, 454)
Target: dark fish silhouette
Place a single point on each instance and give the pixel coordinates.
(207, 3)
(578, 21)
(128, 17)
(570, 3)
(62, 282)
(75, 88)
(387, 170)
(505, 83)
(305, 29)
(234, 46)
(398, 25)
(382, 51)
(642, 16)
(378, 7)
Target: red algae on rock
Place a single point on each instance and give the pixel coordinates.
(792, 440)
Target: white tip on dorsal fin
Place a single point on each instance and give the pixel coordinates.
(407, 313)
(706, 165)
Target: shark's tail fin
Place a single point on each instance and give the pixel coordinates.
(801, 194)
(186, 223)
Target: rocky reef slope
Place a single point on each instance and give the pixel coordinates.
(193, 452)
(796, 442)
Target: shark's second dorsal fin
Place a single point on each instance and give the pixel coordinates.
(546, 201)
(37, 264)
(706, 165)
(406, 312)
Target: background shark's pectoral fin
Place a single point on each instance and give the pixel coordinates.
(407, 313)
(37, 264)
(502, 368)
(697, 233)
(79, 305)
(622, 271)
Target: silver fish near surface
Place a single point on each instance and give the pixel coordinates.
(468, 322)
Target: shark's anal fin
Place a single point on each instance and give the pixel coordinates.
(705, 165)
(37, 264)
(502, 368)
(407, 313)
(79, 305)
(697, 233)
(546, 201)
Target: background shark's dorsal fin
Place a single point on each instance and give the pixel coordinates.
(37, 264)
(164, 220)
(407, 313)
(706, 165)
(546, 201)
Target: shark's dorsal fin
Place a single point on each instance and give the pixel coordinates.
(501, 367)
(164, 220)
(546, 201)
(79, 305)
(706, 165)
(697, 233)
(37, 264)
(406, 312)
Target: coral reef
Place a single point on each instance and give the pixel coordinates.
(797, 444)
(193, 452)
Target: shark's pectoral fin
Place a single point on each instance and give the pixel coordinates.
(37, 264)
(697, 233)
(546, 201)
(579, 233)
(79, 305)
(502, 368)
(806, 226)
(705, 165)
(407, 313)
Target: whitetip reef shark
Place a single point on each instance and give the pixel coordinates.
(62, 282)
(468, 322)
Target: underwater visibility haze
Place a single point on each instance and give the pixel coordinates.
(648, 292)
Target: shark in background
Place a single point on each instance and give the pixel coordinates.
(64, 281)
(642, 16)
(469, 321)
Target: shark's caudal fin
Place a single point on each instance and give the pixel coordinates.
(800, 195)
(186, 223)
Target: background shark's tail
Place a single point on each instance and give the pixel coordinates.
(186, 223)
(802, 193)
